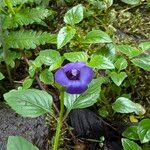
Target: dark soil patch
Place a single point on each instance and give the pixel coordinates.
(34, 130)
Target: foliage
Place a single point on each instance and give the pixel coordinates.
(40, 40)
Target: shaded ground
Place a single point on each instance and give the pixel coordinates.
(34, 130)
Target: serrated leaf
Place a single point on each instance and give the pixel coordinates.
(29, 102)
(143, 62)
(64, 36)
(101, 62)
(50, 58)
(11, 56)
(121, 64)
(25, 17)
(88, 98)
(144, 130)
(19, 143)
(118, 78)
(76, 56)
(144, 46)
(97, 36)
(129, 50)
(131, 133)
(74, 15)
(130, 145)
(28, 39)
(46, 77)
(124, 105)
(27, 83)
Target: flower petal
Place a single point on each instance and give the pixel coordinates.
(76, 87)
(74, 65)
(86, 74)
(61, 78)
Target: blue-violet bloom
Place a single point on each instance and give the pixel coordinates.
(75, 77)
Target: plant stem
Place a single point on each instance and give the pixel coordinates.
(5, 49)
(59, 123)
(9, 5)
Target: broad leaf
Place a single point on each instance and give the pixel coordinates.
(128, 50)
(76, 56)
(144, 46)
(46, 76)
(28, 39)
(131, 133)
(25, 17)
(64, 36)
(27, 83)
(101, 62)
(143, 62)
(50, 58)
(121, 63)
(30, 102)
(131, 2)
(97, 36)
(1, 76)
(124, 105)
(74, 15)
(87, 99)
(144, 130)
(130, 145)
(118, 78)
(19, 143)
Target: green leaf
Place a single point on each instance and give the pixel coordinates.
(46, 77)
(19, 2)
(74, 15)
(19, 143)
(101, 62)
(128, 50)
(124, 105)
(143, 63)
(26, 16)
(131, 2)
(1, 76)
(64, 36)
(131, 133)
(88, 98)
(27, 83)
(144, 46)
(29, 102)
(121, 64)
(11, 56)
(118, 78)
(28, 39)
(76, 56)
(97, 36)
(130, 145)
(50, 58)
(144, 130)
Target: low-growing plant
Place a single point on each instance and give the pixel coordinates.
(85, 63)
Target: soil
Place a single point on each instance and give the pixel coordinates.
(33, 129)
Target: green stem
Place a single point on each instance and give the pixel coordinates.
(9, 5)
(5, 49)
(59, 123)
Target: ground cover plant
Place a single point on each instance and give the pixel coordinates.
(84, 65)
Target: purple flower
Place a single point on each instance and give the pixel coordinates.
(75, 77)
